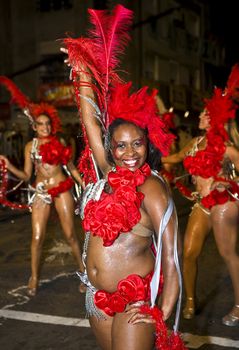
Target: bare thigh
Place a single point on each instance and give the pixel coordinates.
(117, 334)
(131, 336)
(40, 216)
(198, 227)
(65, 208)
(225, 227)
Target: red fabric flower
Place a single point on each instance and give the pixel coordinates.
(101, 301)
(132, 288)
(116, 302)
(129, 290)
(105, 218)
(125, 177)
(118, 211)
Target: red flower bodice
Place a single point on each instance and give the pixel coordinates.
(208, 162)
(54, 152)
(116, 212)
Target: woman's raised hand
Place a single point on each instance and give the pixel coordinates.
(66, 61)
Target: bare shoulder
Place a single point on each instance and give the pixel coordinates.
(155, 189)
(231, 150)
(28, 146)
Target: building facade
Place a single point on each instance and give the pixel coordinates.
(170, 50)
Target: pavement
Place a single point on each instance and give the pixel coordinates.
(7, 213)
(55, 318)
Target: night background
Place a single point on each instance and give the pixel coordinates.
(183, 48)
(224, 21)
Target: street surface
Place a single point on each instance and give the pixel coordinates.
(55, 317)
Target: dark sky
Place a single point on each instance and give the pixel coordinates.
(225, 23)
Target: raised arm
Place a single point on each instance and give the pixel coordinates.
(92, 125)
(24, 174)
(179, 156)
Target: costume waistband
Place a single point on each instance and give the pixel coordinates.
(215, 197)
(63, 186)
(47, 195)
(131, 289)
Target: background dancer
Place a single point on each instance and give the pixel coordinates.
(213, 161)
(45, 155)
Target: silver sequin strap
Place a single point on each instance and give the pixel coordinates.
(154, 285)
(157, 269)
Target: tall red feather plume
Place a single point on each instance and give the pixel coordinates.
(17, 96)
(233, 80)
(99, 53)
(111, 37)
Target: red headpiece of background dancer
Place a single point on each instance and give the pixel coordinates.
(30, 109)
(232, 88)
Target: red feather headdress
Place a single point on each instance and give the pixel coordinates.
(220, 108)
(207, 162)
(141, 109)
(233, 81)
(99, 54)
(30, 109)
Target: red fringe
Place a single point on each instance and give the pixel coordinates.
(3, 189)
(163, 341)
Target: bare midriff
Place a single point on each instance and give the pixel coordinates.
(50, 175)
(203, 186)
(129, 254)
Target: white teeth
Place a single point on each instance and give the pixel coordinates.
(130, 162)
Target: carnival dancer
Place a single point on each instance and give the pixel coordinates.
(212, 160)
(130, 205)
(47, 155)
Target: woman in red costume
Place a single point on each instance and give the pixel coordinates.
(212, 160)
(130, 205)
(46, 154)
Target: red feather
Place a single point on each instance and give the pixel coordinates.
(99, 53)
(17, 96)
(111, 37)
(220, 108)
(233, 80)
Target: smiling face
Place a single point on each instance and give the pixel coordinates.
(129, 146)
(204, 123)
(42, 126)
